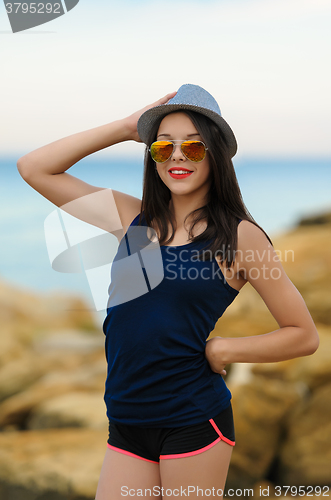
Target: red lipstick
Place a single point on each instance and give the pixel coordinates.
(175, 172)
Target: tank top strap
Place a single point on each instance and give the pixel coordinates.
(136, 220)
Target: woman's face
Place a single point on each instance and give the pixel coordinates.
(178, 127)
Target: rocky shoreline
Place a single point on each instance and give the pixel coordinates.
(53, 427)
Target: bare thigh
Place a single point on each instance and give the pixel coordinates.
(121, 473)
(206, 470)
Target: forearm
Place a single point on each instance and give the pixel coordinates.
(282, 344)
(58, 156)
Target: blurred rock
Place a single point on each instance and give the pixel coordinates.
(259, 409)
(75, 409)
(240, 373)
(89, 375)
(313, 220)
(60, 464)
(19, 374)
(307, 261)
(53, 371)
(24, 314)
(305, 455)
(10, 347)
(68, 340)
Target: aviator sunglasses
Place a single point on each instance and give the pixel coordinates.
(162, 151)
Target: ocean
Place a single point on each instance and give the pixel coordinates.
(278, 192)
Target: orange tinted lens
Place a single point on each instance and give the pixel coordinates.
(194, 150)
(161, 151)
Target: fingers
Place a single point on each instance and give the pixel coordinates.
(165, 99)
(170, 96)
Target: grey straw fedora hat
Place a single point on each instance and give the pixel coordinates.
(190, 97)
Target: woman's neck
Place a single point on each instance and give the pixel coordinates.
(181, 206)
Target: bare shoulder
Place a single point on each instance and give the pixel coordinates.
(251, 236)
(253, 248)
(252, 242)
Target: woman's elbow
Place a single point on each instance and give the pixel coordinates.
(25, 167)
(21, 166)
(312, 342)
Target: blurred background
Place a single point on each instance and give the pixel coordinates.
(265, 62)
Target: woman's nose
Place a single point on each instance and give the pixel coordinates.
(178, 154)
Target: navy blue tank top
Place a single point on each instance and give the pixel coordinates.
(158, 375)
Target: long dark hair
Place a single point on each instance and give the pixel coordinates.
(225, 205)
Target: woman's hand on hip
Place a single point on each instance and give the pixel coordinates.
(132, 120)
(213, 355)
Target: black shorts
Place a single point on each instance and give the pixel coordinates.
(153, 444)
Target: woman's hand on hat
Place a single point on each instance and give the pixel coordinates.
(132, 120)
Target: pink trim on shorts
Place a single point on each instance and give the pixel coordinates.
(129, 453)
(190, 453)
(232, 443)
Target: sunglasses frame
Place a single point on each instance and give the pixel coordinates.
(174, 143)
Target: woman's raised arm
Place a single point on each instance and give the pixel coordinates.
(45, 168)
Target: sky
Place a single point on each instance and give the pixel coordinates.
(266, 62)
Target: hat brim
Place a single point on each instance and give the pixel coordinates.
(147, 120)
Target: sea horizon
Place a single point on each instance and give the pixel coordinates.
(278, 192)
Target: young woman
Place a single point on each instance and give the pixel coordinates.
(170, 419)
